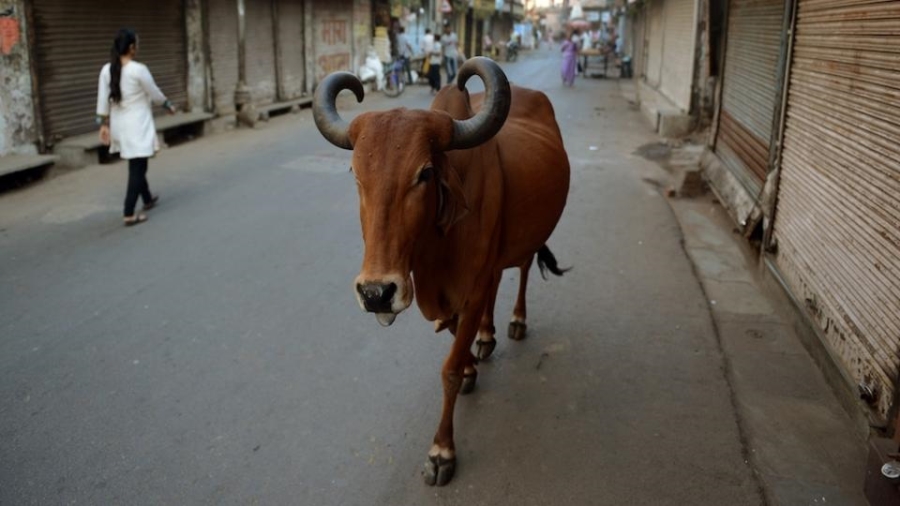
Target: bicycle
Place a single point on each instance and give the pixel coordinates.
(394, 78)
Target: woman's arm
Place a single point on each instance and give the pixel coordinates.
(103, 105)
(153, 91)
(103, 93)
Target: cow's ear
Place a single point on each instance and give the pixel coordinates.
(357, 126)
(452, 205)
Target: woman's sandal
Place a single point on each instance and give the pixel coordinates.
(134, 220)
(150, 205)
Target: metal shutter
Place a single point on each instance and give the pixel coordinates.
(750, 88)
(838, 218)
(292, 74)
(74, 38)
(677, 75)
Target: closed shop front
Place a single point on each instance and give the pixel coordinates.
(333, 37)
(291, 64)
(653, 42)
(837, 222)
(73, 40)
(260, 47)
(750, 89)
(677, 65)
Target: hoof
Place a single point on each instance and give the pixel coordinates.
(483, 349)
(468, 382)
(439, 471)
(517, 330)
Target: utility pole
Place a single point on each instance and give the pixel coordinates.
(243, 98)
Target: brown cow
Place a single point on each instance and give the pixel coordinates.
(448, 199)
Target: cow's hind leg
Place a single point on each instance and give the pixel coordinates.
(441, 462)
(486, 343)
(517, 327)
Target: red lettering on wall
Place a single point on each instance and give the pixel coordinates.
(334, 31)
(329, 63)
(9, 34)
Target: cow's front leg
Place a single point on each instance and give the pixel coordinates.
(470, 375)
(486, 343)
(441, 462)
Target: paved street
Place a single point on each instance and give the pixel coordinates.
(216, 354)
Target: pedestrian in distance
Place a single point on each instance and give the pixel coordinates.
(450, 43)
(426, 45)
(570, 58)
(404, 52)
(125, 97)
(435, 57)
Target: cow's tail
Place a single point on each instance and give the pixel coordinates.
(547, 262)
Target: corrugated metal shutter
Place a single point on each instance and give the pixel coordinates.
(679, 23)
(654, 45)
(333, 37)
(838, 218)
(260, 51)
(750, 88)
(290, 39)
(223, 36)
(74, 38)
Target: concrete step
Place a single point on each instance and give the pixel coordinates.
(289, 104)
(664, 116)
(16, 163)
(164, 123)
(82, 150)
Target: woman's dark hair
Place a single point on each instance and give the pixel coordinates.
(121, 45)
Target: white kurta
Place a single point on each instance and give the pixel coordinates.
(131, 128)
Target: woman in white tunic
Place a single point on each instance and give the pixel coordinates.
(125, 99)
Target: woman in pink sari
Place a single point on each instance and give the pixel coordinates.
(570, 58)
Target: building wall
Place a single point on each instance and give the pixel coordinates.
(18, 128)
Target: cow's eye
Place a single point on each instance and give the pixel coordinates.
(426, 174)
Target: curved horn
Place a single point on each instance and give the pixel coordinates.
(325, 112)
(497, 96)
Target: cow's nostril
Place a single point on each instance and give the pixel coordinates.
(388, 294)
(364, 290)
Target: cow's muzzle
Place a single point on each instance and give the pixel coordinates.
(386, 295)
(377, 297)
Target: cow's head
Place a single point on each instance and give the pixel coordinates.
(405, 182)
